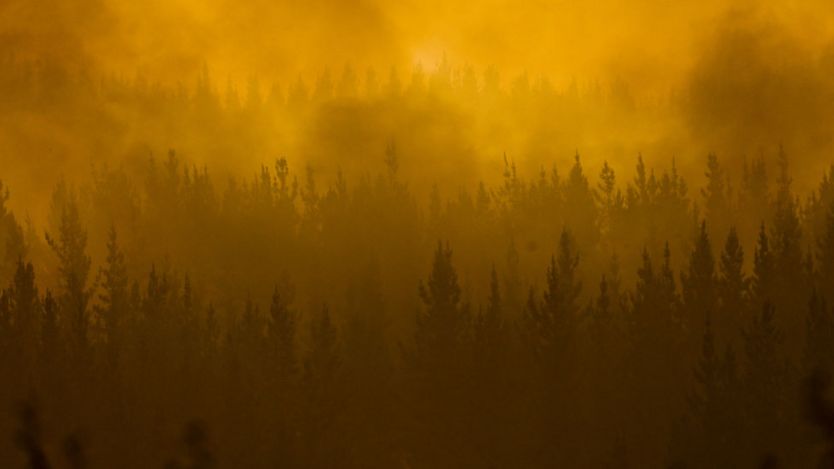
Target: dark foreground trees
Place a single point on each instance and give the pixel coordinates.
(333, 330)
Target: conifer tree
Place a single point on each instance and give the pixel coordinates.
(442, 325)
(322, 367)
(699, 281)
(786, 242)
(50, 332)
(755, 195)
(825, 256)
(732, 288)
(70, 245)
(280, 333)
(25, 315)
(114, 299)
(25, 305)
(12, 243)
(552, 322)
(764, 378)
(489, 327)
(582, 217)
(761, 283)
(819, 343)
(716, 197)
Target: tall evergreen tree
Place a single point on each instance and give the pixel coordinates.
(114, 299)
(12, 243)
(70, 245)
(441, 328)
(578, 195)
(699, 281)
(490, 326)
(716, 197)
(50, 331)
(552, 322)
(786, 242)
(280, 333)
(26, 319)
(819, 343)
(322, 367)
(611, 202)
(25, 305)
(825, 256)
(440, 364)
(732, 289)
(764, 381)
(761, 284)
(713, 418)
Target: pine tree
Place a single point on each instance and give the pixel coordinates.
(732, 288)
(489, 327)
(761, 286)
(322, 367)
(825, 256)
(607, 185)
(755, 190)
(368, 371)
(564, 285)
(441, 365)
(716, 197)
(706, 370)
(26, 318)
(50, 332)
(513, 288)
(12, 244)
(610, 201)
(712, 427)
(659, 365)
(322, 361)
(819, 343)
(666, 284)
(655, 317)
(281, 334)
(492, 383)
(786, 242)
(644, 292)
(25, 305)
(552, 323)
(70, 245)
(442, 325)
(154, 299)
(114, 299)
(765, 379)
(699, 282)
(582, 216)
(601, 313)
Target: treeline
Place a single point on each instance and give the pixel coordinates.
(42, 81)
(450, 119)
(558, 322)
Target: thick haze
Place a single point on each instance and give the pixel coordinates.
(653, 44)
(419, 234)
(735, 78)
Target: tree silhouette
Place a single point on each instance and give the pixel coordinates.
(733, 289)
(699, 281)
(70, 244)
(114, 300)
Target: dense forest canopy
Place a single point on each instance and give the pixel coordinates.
(354, 234)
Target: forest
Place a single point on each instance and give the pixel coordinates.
(424, 265)
(290, 320)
